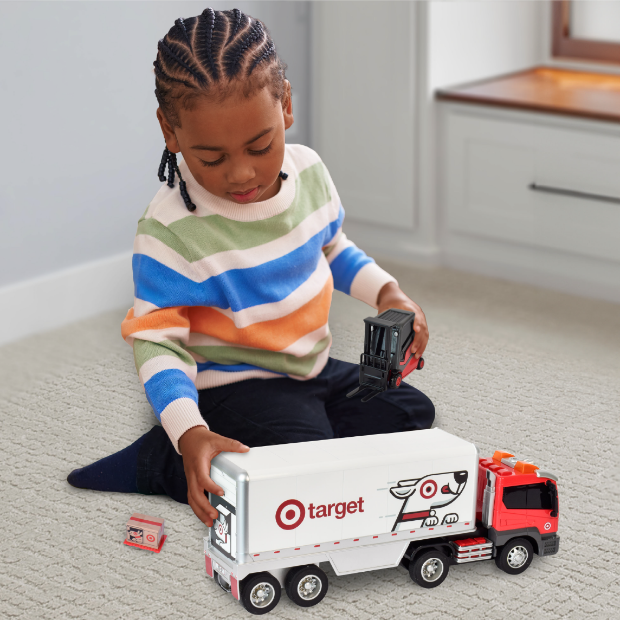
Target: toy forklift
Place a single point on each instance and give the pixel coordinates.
(387, 357)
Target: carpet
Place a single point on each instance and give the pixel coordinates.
(508, 366)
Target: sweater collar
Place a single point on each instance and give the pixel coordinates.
(208, 204)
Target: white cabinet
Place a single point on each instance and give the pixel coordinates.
(532, 195)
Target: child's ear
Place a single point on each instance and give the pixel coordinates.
(287, 105)
(168, 131)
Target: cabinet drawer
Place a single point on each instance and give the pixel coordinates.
(492, 164)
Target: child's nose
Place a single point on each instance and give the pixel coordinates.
(241, 175)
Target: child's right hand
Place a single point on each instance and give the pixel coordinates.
(198, 446)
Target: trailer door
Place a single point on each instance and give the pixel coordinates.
(223, 534)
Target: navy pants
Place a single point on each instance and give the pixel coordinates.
(264, 412)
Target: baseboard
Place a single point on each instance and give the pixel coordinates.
(562, 277)
(54, 300)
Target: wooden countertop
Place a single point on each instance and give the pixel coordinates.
(546, 89)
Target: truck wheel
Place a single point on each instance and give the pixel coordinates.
(261, 593)
(430, 569)
(306, 585)
(515, 556)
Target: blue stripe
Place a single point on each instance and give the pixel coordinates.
(345, 267)
(166, 386)
(233, 367)
(236, 288)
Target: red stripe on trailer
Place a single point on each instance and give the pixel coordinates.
(276, 552)
(145, 521)
(375, 537)
(256, 555)
(297, 548)
(317, 545)
(336, 543)
(395, 534)
(234, 587)
(209, 565)
(355, 539)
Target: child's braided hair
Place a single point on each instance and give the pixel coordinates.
(213, 55)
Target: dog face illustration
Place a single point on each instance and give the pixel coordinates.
(424, 496)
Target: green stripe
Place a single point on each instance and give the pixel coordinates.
(144, 350)
(210, 234)
(269, 360)
(156, 229)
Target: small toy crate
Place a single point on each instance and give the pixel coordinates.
(145, 532)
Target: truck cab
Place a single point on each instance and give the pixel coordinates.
(516, 498)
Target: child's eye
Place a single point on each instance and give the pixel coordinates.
(263, 152)
(212, 163)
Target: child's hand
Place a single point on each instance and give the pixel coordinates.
(198, 446)
(390, 296)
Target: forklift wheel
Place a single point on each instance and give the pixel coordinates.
(420, 363)
(396, 380)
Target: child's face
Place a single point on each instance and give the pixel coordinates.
(235, 132)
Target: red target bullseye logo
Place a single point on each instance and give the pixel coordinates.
(150, 537)
(290, 514)
(429, 488)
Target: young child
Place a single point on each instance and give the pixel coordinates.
(234, 267)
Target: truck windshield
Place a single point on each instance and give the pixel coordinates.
(377, 341)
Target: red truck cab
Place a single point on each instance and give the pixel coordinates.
(517, 499)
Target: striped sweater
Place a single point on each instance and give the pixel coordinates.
(237, 291)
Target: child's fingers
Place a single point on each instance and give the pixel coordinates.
(200, 503)
(225, 444)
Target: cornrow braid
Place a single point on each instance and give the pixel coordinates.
(212, 55)
(181, 26)
(237, 14)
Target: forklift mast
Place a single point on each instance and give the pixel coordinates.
(386, 359)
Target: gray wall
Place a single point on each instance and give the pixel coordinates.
(81, 143)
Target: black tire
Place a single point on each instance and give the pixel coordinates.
(515, 556)
(429, 569)
(261, 593)
(306, 586)
(394, 381)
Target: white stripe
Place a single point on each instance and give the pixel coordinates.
(306, 343)
(159, 335)
(216, 264)
(141, 307)
(165, 362)
(214, 378)
(367, 283)
(278, 309)
(319, 364)
(343, 244)
(179, 416)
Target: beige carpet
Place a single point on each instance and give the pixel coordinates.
(508, 366)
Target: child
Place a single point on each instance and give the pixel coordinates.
(234, 268)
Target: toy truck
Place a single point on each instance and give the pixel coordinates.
(387, 357)
(423, 499)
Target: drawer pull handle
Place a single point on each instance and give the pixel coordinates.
(571, 192)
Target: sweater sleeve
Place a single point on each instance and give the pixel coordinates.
(354, 272)
(158, 336)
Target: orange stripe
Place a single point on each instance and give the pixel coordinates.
(272, 335)
(164, 318)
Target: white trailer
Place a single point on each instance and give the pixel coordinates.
(357, 503)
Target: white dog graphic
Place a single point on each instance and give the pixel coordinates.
(423, 496)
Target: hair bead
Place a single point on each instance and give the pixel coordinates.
(283, 175)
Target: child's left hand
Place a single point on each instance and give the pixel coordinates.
(390, 296)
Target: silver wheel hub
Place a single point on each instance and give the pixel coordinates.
(262, 594)
(309, 587)
(517, 557)
(432, 569)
